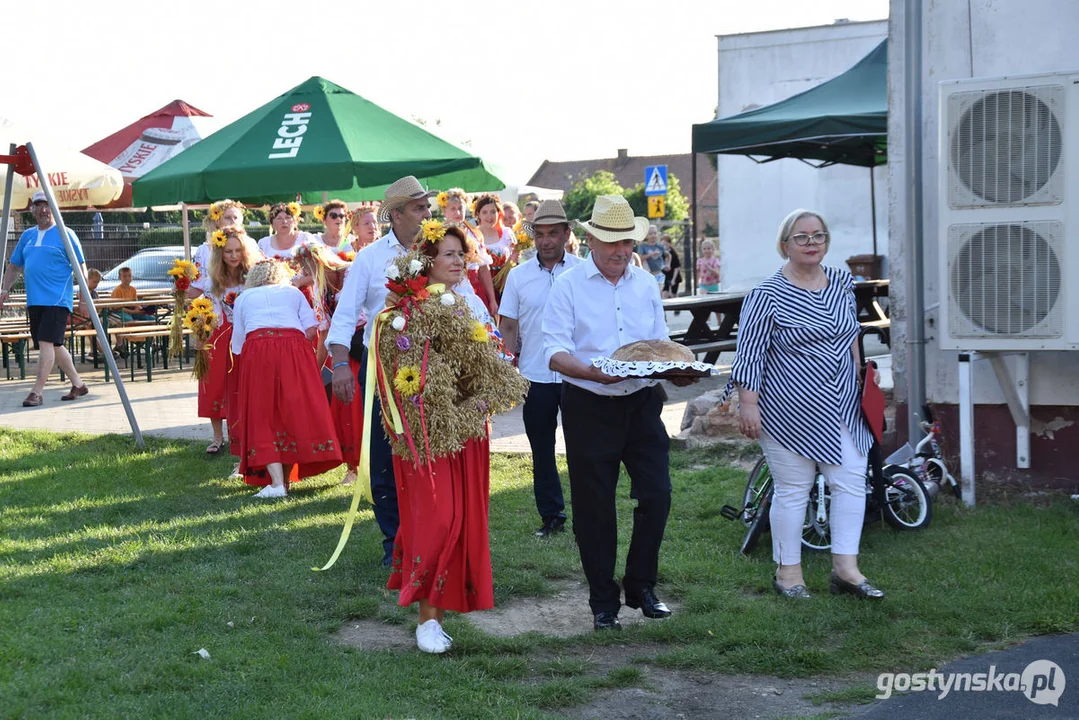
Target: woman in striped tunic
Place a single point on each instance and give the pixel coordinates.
(797, 374)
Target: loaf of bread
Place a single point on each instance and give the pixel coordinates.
(653, 351)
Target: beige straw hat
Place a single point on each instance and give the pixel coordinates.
(550, 212)
(402, 192)
(613, 221)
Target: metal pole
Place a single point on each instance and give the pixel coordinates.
(693, 198)
(873, 205)
(84, 289)
(912, 163)
(966, 427)
(187, 231)
(8, 190)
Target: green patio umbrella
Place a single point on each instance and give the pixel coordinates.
(316, 138)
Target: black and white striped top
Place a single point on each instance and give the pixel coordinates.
(794, 349)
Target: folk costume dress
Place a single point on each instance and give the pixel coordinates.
(284, 416)
(441, 374)
(213, 388)
(347, 417)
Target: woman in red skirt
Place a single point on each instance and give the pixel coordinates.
(441, 376)
(328, 269)
(284, 418)
(232, 254)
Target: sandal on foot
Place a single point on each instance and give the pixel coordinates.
(214, 447)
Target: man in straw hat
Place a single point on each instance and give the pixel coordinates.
(523, 300)
(593, 309)
(405, 207)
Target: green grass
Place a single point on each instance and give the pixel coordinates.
(116, 566)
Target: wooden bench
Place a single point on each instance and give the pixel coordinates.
(19, 342)
(145, 350)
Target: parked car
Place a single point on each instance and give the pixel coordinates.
(149, 269)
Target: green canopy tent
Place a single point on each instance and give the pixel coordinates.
(317, 138)
(841, 121)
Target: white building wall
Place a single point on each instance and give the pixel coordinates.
(758, 69)
(966, 39)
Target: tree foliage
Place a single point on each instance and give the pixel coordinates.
(677, 203)
(581, 197)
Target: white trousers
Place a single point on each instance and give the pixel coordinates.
(794, 476)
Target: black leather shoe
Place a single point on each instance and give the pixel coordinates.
(552, 525)
(862, 590)
(606, 621)
(648, 603)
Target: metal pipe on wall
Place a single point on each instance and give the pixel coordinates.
(912, 158)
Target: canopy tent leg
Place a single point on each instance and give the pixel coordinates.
(187, 231)
(7, 211)
(84, 290)
(873, 204)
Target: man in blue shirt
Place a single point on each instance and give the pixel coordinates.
(41, 257)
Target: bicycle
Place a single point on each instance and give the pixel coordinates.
(893, 492)
(926, 459)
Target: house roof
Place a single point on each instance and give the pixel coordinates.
(629, 170)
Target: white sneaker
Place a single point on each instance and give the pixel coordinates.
(271, 492)
(236, 474)
(446, 636)
(429, 638)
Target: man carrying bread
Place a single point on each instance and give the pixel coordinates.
(594, 308)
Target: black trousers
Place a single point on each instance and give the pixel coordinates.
(383, 485)
(602, 433)
(541, 420)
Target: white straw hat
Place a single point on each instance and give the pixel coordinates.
(550, 212)
(402, 192)
(613, 221)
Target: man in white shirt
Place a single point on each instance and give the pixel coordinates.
(593, 309)
(405, 207)
(523, 300)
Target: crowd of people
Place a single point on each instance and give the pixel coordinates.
(405, 345)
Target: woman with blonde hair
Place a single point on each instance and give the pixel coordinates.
(365, 229)
(798, 375)
(285, 420)
(221, 214)
(231, 257)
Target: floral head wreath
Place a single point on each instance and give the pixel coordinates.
(292, 208)
(443, 199)
(320, 213)
(431, 232)
(217, 209)
(220, 238)
(319, 255)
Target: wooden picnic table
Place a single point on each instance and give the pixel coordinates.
(700, 337)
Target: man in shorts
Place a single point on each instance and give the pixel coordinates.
(41, 257)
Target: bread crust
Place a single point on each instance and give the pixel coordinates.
(653, 351)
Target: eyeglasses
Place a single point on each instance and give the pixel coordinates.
(801, 239)
(335, 215)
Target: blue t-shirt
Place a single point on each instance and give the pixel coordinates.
(655, 264)
(46, 269)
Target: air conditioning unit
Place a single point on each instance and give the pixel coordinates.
(1009, 147)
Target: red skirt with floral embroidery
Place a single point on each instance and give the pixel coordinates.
(283, 415)
(348, 420)
(213, 393)
(442, 553)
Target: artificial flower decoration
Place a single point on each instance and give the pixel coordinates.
(443, 199)
(407, 380)
(479, 331)
(398, 323)
(216, 213)
(347, 255)
(415, 267)
(447, 299)
(294, 209)
(432, 231)
(219, 238)
(392, 272)
(201, 319)
(319, 212)
(524, 240)
(183, 273)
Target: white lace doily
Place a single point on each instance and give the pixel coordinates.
(647, 368)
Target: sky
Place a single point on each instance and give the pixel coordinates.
(519, 82)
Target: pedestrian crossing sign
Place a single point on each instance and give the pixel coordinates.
(657, 206)
(655, 180)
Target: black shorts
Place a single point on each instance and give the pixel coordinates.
(48, 323)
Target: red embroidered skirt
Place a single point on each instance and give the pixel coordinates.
(348, 420)
(212, 388)
(283, 415)
(442, 553)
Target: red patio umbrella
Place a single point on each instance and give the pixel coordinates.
(148, 142)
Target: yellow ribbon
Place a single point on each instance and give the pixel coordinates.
(362, 487)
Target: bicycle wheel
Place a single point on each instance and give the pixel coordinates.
(936, 471)
(816, 533)
(760, 523)
(760, 480)
(908, 505)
